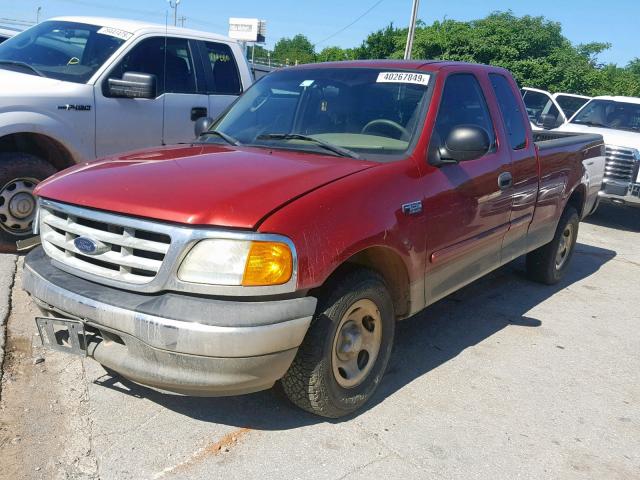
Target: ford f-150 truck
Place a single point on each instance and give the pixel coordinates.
(327, 203)
(77, 88)
(617, 119)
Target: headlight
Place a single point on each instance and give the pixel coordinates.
(237, 262)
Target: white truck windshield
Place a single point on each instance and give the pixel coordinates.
(610, 114)
(61, 50)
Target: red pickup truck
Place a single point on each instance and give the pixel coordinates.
(327, 203)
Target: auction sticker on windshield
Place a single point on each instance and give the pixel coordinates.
(116, 32)
(403, 77)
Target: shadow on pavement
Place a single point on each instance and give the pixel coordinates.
(422, 343)
(619, 217)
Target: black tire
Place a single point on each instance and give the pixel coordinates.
(29, 169)
(310, 382)
(542, 263)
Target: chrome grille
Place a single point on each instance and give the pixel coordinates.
(621, 164)
(130, 254)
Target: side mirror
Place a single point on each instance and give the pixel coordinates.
(464, 142)
(202, 125)
(548, 121)
(133, 85)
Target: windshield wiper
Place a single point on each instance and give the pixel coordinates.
(343, 152)
(227, 138)
(15, 63)
(591, 124)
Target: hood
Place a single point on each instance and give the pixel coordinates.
(619, 138)
(17, 89)
(198, 185)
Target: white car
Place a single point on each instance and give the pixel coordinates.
(547, 111)
(73, 89)
(617, 119)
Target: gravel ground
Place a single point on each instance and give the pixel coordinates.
(504, 379)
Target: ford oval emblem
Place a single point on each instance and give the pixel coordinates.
(89, 246)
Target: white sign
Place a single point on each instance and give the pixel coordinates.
(115, 32)
(247, 29)
(404, 77)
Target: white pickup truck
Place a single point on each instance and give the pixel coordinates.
(617, 119)
(547, 111)
(74, 89)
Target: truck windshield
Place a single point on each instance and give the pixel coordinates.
(340, 111)
(610, 114)
(61, 50)
(570, 104)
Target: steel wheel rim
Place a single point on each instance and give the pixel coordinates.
(18, 205)
(356, 344)
(564, 248)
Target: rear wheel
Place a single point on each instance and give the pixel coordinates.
(19, 175)
(548, 263)
(346, 350)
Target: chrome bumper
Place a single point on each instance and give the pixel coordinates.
(621, 193)
(175, 342)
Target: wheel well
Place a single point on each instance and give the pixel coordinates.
(577, 199)
(390, 266)
(39, 145)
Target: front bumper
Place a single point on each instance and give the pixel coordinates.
(621, 193)
(186, 344)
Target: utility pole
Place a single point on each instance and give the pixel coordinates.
(38, 14)
(412, 30)
(182, 19)
(174, 4)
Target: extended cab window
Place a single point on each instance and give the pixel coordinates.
(510, 109)
(148, 56)
(226, 80)
(462, 104)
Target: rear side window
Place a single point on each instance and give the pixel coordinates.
(511, 113)
(463, 104)
(226, 80)
(539, 104)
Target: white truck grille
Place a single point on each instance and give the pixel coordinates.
(621, 164)
(126, 254)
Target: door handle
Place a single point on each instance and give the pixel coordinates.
(198, 112)
(505, 180)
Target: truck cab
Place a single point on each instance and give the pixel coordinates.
(617, 119)
(78, 88)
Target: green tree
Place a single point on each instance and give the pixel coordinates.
(333, 54)
(294, 50)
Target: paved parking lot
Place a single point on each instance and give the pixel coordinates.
(504, 379)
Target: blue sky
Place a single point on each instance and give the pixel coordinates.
(582, 20)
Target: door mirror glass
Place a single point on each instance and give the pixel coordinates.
(465, 142)
(548, 121)
(133, 85)
(202, 125)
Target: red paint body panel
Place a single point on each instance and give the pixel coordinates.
(333, 208)
(199, 185)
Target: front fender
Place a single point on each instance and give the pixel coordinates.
(77, 136)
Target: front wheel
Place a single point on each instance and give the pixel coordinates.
(346, 350)
(548, 263)
(19, 175)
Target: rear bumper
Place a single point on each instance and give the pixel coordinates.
(180, 343)
(621, 193)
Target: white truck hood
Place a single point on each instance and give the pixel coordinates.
(18, 86)
(619, 138)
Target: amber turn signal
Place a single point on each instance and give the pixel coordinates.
(268, 263)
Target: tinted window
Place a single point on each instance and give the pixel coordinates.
(511, 114)
(610, 114)
(226, 80)
(463, 104)
(570, 104)
(148, 57)
(539, 104)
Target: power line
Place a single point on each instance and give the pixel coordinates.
(351, 24)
